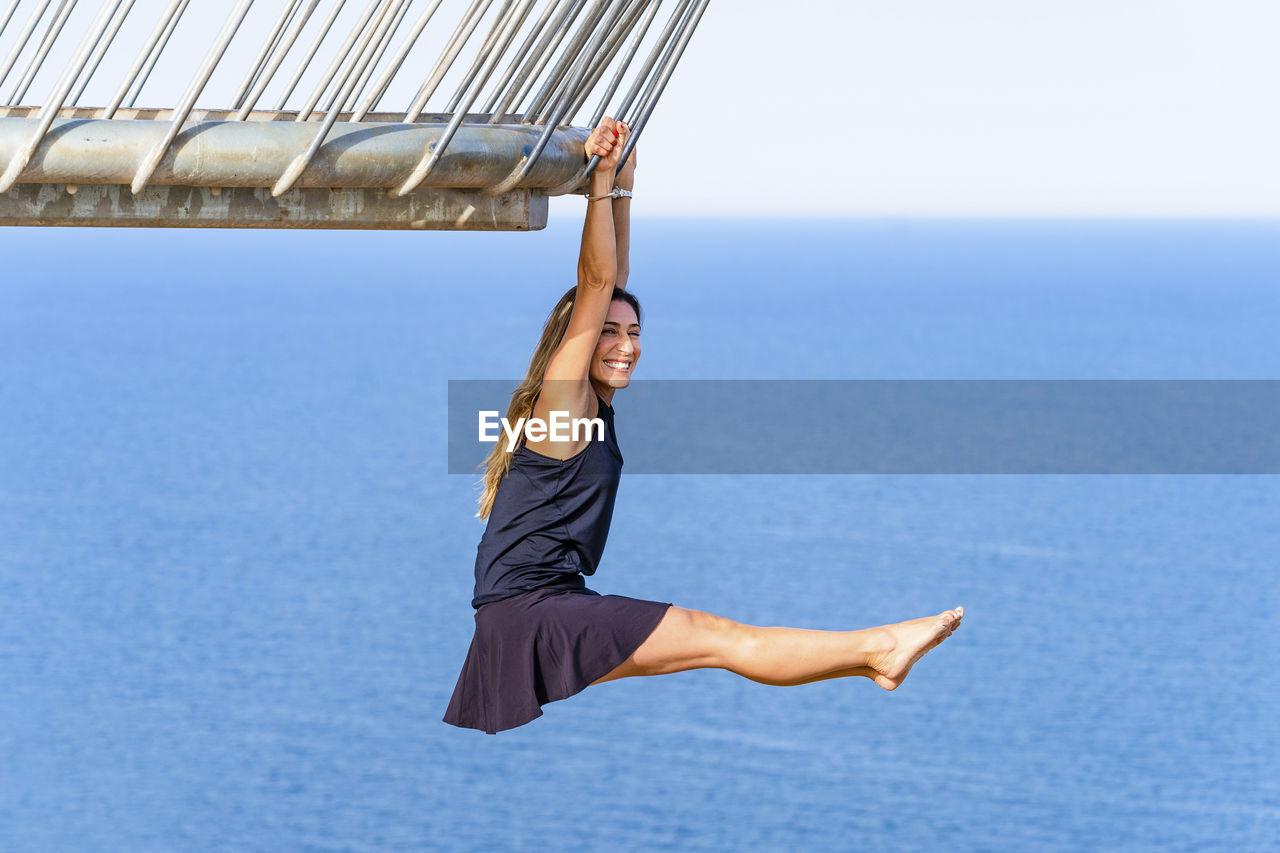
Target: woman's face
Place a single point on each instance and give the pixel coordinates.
(618, 348)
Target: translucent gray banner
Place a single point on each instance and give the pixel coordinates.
(919, 427)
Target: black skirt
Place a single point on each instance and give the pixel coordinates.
(541, 646)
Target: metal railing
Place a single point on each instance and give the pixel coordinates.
(507, 83)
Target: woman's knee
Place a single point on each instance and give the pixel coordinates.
(692, 639)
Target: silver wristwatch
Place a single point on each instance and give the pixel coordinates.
(616, 192)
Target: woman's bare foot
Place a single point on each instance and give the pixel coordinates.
(908, 642)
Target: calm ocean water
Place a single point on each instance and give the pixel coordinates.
(234, 576)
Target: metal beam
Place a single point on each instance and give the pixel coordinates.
(256, 154)
(254, 207)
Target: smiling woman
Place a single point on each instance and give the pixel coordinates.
(541, 634)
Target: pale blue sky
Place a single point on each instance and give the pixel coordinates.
(990, 107)
(1006, 107)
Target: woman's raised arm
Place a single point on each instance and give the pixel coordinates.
(566, 384)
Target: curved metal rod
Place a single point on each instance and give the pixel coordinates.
(339, 59)
(60, 91)
(664, 40)
(664, 74)
(300, 163)
(651, 83)
(264, 54)
(520, 55)
(571, 53)
(306, 60)
(359, 58)
(263, 81)
(604, 59)
(4, 24)
(461, 34)
(571, 184)
(490, 38)
(156, 34)
(557, 105)
(435, 152)
(21, 44)
(528, 76)
(46, 44)
(380, 88)
(499, 38)
(521, 15)
(625, 65)
(378, 50)
(189, 99)
(154, 57)
(522, 169)
(101, 51)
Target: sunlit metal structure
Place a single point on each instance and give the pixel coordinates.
(487, 137)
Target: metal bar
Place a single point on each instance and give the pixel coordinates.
(202, 207)
(156, 35)
(686, 33)
(460, 36)
(607, 54)
(276, 60)
(193, 91)
(306, 60)
(567, 58)
(496, 45)
(300, 163)
(264, 54)
(21, 44)
(432, 155)
(502, 50)
(359, 58)
(46, 44)
(659, 46)
(379, 48)
(380, 88)
(4, 24)
(592, 64)
(197, 114)
(101, 51)
(541, 55)
(275, 44)
(651, 86)
(155, 54)
(58, 97)
(499, 21)
(212, 151)
(338, 60)
(596, 117)
(534, 32)
(556, 107)
(524, 168)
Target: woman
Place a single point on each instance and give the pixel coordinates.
(541, 634)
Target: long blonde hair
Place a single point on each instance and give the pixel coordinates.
(526, 394)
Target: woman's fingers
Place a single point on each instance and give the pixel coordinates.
(607, 141)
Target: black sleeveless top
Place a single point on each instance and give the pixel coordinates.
(550, 519)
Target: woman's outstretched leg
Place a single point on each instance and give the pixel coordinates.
(690, 639)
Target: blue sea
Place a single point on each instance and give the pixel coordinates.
(235, 575)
